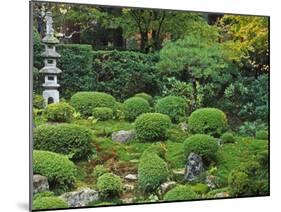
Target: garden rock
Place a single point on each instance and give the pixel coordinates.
(123, 136)
(128, 200)
(167, 186)
(222, 195)
(194, 167)
(178, 174)
(131, 177)
(40, 183)
(81, 197)
(211, 181)
(128, 187)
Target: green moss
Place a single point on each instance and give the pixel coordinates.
(175, 155)
(49, 203)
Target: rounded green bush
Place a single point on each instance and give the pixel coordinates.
(109, 185)
(262, 134)
(145, 96)
(180, 192)
(69, 139)
(208, 121)
(152, 126)
(59, 170)
(204, 145)
(135, 106)
(227, 138)
(239, 183)
(99, 170)
(200, 188)
(38, 101)
(85, 102)
(103, 113)
(49, 203)
(59, 112)
(173, 106)
(152, 172)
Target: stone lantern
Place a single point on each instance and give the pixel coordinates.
(50, 70)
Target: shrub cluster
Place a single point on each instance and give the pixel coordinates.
(99, 170)
(152, 126)
(109, 185)
(208, 121)
(72, 140)
(85, 102)
(135, 106)
(152, 171)
(59, 112)
(180, 192)
(173, 106)
(38, 101)
(103, 113)
(239, 183)
(262, 134)
(59, 170)
(227, 138)
(49, 203)
(145, 96)
(204, 145)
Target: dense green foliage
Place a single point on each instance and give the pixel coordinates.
(60, 171)
(152, 171)
(204, 145)
(76, 65)
(85, 102)
(49, 203)
(103, 113)
(38, 101)
(59, 112)
(72, 140)
(173, 106)
(208, 121)
(99, 170)
(145, 96)
(227, 137)
(125, 73)
(135, 106)
(152, 126)
(262, 134)
(239, 183)
(180, 192)
(109, 185)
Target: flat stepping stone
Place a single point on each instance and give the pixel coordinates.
(134, 161)
(131, 177)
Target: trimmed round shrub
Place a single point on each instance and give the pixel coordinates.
(59, 112)
(152, 172)
(69, 139)
(239, 183)
(145, 96)
(227, 138)
(173, 106)
(59, 170)
(152, 126)
(180, 192)
(99, 170)
(262, 134)
(49, 203)
(204, 145)
(135, 106)
(85, 102)
(208, 121)
(38, 101)
(109, 185)
(103, 113)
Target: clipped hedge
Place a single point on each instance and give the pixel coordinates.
(76, 65)
(69, 139)
(85, 102)
(135, 106)
(109, 185)
(152, 126)
(180, 192)
(59, 170)
(48, 203)
(145, 96)
(103, 113)
(204, 145)
(208, 121)
(227, 137)
(173, 106)
(152, 172)
(59, 112)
